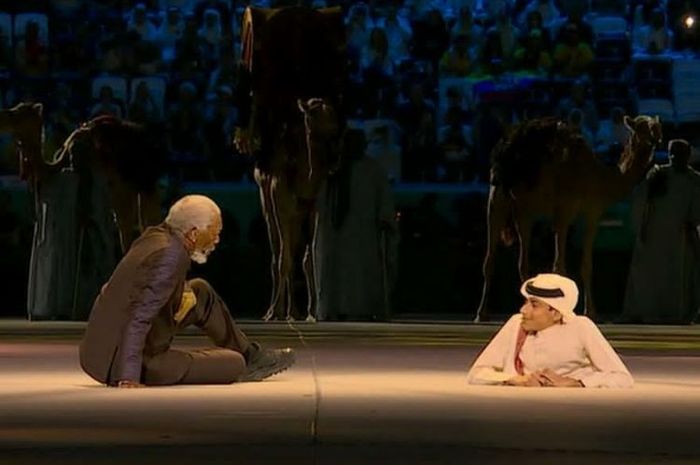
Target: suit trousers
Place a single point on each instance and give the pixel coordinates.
(221, 365)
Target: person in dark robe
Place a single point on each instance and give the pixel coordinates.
(148, 299)
(664, 280)
(356, 239)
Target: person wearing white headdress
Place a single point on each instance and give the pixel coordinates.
(547, 344)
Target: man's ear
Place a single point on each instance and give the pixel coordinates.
(558, 317)
(192, 234)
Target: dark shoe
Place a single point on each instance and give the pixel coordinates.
(264, 363)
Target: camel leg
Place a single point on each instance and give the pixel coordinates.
(149, 209)
(587, 265)
(309, 265)
(286, 215)
(497, 213)
(524, 226)
(298, 245)
(561, 231)
(273, 235)
(124, 203)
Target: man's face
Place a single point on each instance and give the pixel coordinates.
(205, 241)
(537, 315)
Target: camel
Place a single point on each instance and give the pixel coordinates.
(289, 186)
(131, 157)
(127, 156)
(292, 74)
(543, 170)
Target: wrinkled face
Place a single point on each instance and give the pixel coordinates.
(537, 315)
(205, 240)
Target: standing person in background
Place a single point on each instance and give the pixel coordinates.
(664, 278)
(385, 151)
(356, 239)
(416, 117)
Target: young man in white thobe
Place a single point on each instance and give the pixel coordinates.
(547, 344)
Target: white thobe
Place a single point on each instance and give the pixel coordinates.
(575, 349)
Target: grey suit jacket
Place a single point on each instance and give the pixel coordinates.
(132, 317)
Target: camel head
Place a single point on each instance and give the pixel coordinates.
(322, 134)
(645, 135)
(25, 122)
(645, 128)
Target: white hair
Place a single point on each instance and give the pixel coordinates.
(192, 211)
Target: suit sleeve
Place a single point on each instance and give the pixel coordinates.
(490, 365)
(157, 282)
(610, 371)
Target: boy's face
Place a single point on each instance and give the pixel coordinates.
(538, 315)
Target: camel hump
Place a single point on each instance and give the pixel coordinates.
(519, 157)
(137, 153)
(294, 52)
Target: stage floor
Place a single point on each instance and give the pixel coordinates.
(359, 394)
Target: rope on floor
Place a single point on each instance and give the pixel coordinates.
(317, 387)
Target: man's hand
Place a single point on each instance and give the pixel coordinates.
(128, 384)
(524, 380)
(549, 378)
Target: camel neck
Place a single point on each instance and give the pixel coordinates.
(630, 174)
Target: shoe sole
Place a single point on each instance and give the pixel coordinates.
(267, 371)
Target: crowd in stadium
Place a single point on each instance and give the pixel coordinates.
(433, 83)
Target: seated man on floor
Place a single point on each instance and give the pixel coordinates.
(148, 299)
(547, 344)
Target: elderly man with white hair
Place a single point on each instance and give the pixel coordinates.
(547, 344)
(148, 299)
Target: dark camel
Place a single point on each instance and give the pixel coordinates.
(543, 170)
(300, 163)
(129, 158)
(292, 75)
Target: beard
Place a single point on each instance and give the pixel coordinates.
(200, 256)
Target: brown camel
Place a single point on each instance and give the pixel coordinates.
(289, 185)
(543, 170)
(131, 157)
(290, 89)
(127, 156)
